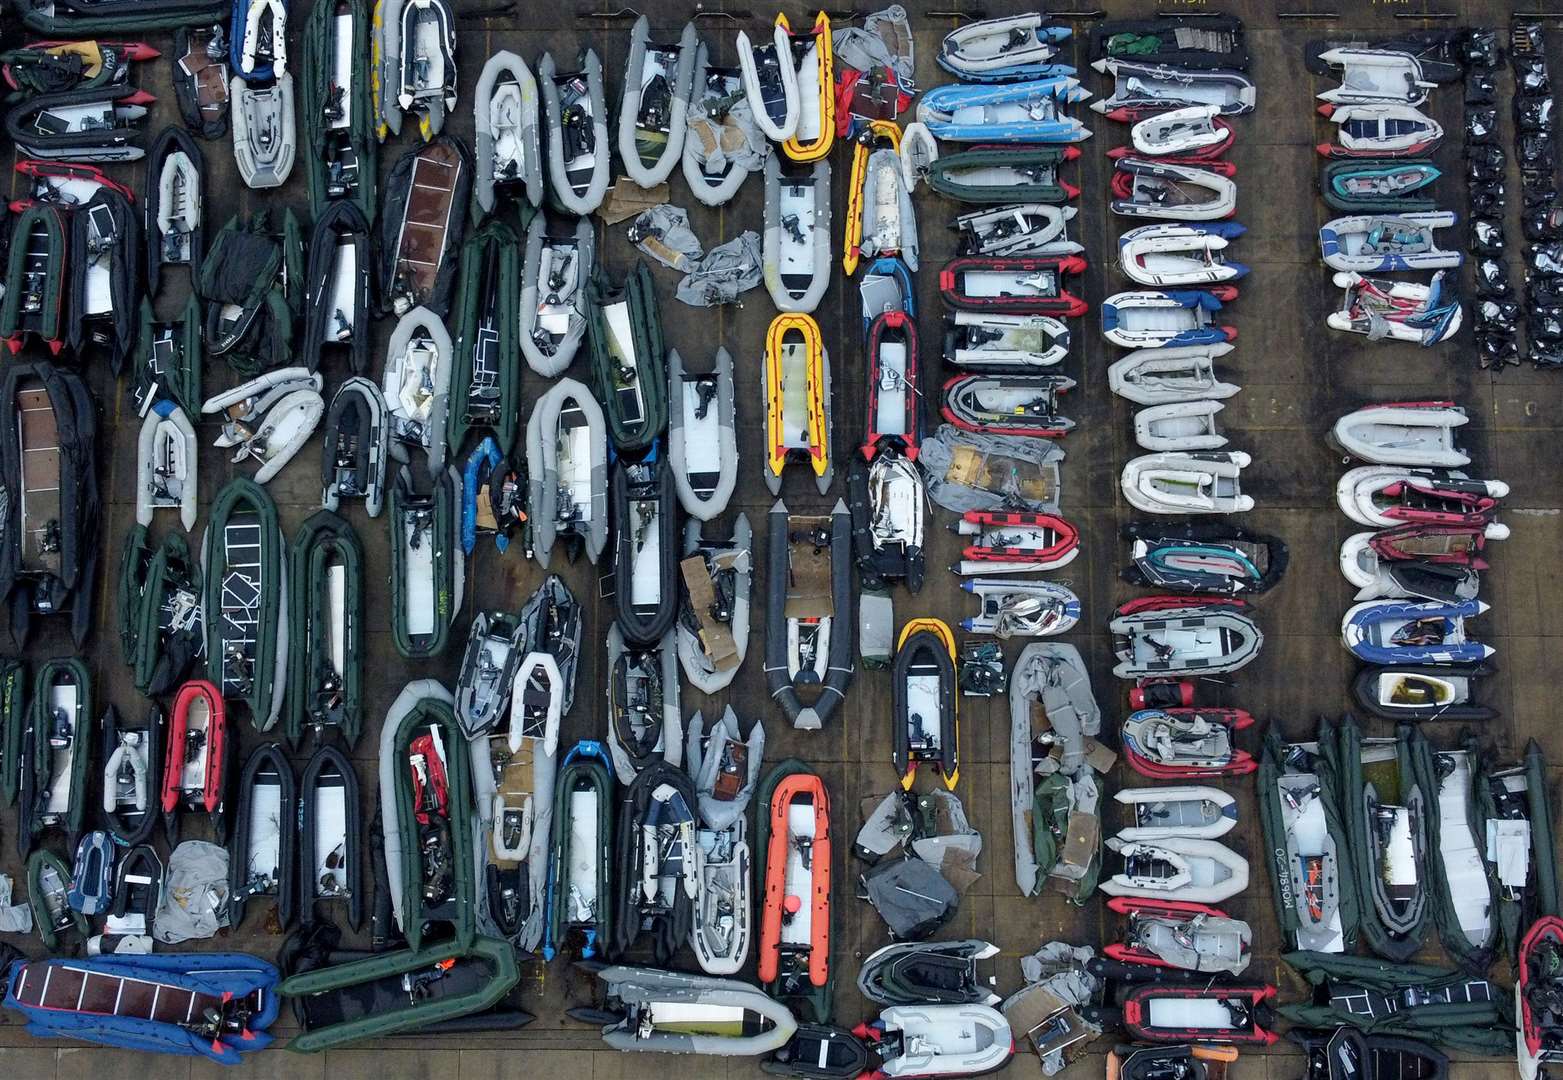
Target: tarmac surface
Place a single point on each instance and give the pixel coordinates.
(1297, 377)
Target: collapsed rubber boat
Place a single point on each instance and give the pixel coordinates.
(1001, 404)
(702, 434)
(1007, 607)
(1172, 190)
(1465, 896)
(658, 860)
(246, 600)
(1376, 186)
(794, 837)
(1381, 308)
(1378, 243)
(1411, 433)
(928, 973)
(1030, 111)
(798, 400)
(508, 153)
(1177, 318)
(808, 631)
(578, 153)
(1155, 813)
(925, 706)
(1176, 868)
(1379, 131)
(1413, 632)
(645, 725)
(888, 502)
(797, 236)
(624, 328)
(567, 470)
(137, 1002)
(1004, 174)
(262, 855)
(200, 76)
(1001, 50)
(578, 898)
(422, 224)
(1159, 637)
(195, 772)
(160, 629)
(1017, 230)
(1172, 255)
(658, 84)
(426, 815)
(723, 143)
(642, 1009)
(770, 82)
(1389, 495)
(1207, 482)
(1422, 692)
(1185, 742)
(428, 573)
(337, 101)
(938, 1040)
(553, 294)
(981, 340)
(1203, 41)
(414, 53)
(1030, 285)
(1200, 557)
(1181, 935)
(1015, 542)
(713, 621)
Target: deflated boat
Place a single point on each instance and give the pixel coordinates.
(797, 236)
(1031, 111)
(553, 294)
(702, 439)
(723, 144)
(1187, 483)
(881, 220)
(928, 973)
(813, 55)
(488, 670)
(1171, 190)
(808, 626)
(159, 611)
(428, 573)
(243, 567)
(576, 117)
(1182, 935)
(1165, 636)
(658, 83)
(797, 416)
(509, 151)
(713, 621)
(643, 1009)
(1186, 742)
(1202, 41)
(1399, 310)
(566, 458)
(725, 768)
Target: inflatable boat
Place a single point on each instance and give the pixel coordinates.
(1007, 607)
(262, 853)
(105, 235)
(1179, 426)
(1422, 692)
(1398, 310)
(725, 769)
(928, 973)
(195, 772)
(1170, 374)
(1411, 433)
(983, 340)
(325, 583)
(1369, 75)
(567, 470)
(1186, 743)
(426, 816)
(1201, 482)
(1050, 702)
(794, 953)
(1537, 1034)
(1204, 40)
(1456, 859)
(1382, 575)
(658, 860)
(95, 123)
(1176, 868)
(888, 502)
(1410, 632)
(1172, 190)
(1173, 255)
(1161, 319)
(797, 391)
(1024, 112)
(1379, 131)
(702, 440)
(1377, 243)
(645, 726)
(658, 84)
(1382, 496)
(56, 754)
(1194, 1060)
(155, 585)
(797, 236)
(48, 879)
(1141, 89)
(414, 51)
(924, 702)
(1181, 935)
(1212, 1013)
(246, 600)
(265, 135)
(509, 150)
(624, 332)
(1004, 174)
(1305, 835)
(1004, 49)
(713, 620)
(131, 772)
(428, 573)
(257, 44)
(894, 375)
(488, 671)
(938, 1040)
(1160, 637)
(200, 75)
(1014, 542)
(356, 446)
(174, 205)
(1199, 557)
(646, 550)
(1018, 472)
(166, 465)
(337, 101)
(403, 992)
(1377, 186)
(337, 290)
(724, 143)
(416, 385)
(808, 627)
(1033, 285)
(167, 358)
(770, 82)
(641, 1009)
(1004, 404)
(1345, 1053)
(330, 837)
(813, 56)
(553, 294)
(1156, 813)
(212, 1005)
(579, 892)
(1191, 134)
(1018, 230)
(422, 224)
(881, 220)
(485, 378)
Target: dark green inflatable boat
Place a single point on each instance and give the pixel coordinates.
(485, 384)
(326, 609)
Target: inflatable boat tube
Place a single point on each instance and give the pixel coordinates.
(658, 85)
(797, 236)
(702, 435)
(553, 294)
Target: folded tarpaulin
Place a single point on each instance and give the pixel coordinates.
(195, 894)
(733, 268)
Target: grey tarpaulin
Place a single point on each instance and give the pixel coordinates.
(912, 897)
(734, 267)
(195, 894)
(663, 232)
(1055, 973)
(14, 918)
(884, 40)
(967, 470)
